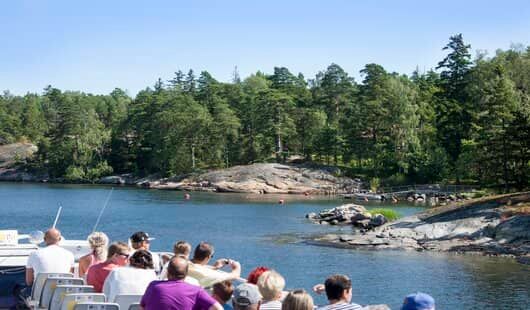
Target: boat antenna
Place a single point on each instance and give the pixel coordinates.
(103, 209)
(57, 215)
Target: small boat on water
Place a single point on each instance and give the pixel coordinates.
(15, 249)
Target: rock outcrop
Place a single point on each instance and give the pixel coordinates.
(258, 179)
(12, 159)
(491, 226)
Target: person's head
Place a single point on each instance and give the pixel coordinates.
(98, 242)
(140, 240)
(52, 236)
(298, 300)
(141, 259)
(418, 301)
(254, 274)
(177, 268)
(182, 248)
(246, 297)
(118, 253)
(222, 291)
(270, 285)
(338, 287)
(203, 253)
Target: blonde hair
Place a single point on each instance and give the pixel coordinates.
(270, 285)
(98, 242)
(182, 248)
(298, 300)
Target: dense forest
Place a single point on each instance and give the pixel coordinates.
(467, 120)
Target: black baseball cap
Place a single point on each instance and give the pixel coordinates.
(140, 236)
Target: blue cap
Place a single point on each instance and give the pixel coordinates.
(418, 301)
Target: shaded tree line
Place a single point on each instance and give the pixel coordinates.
(467, 120)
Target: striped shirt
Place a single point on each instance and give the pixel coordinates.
(271, 305)
(341, 306)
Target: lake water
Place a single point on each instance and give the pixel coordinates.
(256, 230)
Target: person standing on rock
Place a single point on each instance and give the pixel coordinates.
(338, 290)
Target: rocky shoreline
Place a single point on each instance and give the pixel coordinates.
(497, 225)
(262, 178)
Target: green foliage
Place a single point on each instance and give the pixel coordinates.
(374, 184)
(390, 214)
(470, 121)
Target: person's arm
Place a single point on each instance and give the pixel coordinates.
(236, 268)
(216, 306)
(83, 265)
(319, 288)
(29, 276)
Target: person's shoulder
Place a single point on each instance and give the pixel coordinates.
(341, 306)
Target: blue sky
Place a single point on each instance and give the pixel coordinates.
(95, 46)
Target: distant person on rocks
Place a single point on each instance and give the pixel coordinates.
(418, 301)
(270, 286)
(255, 273)
(99, 243)
(132, 279)
(117, 256)
(175, 294)
(52, 258)
(298, 300)
(339, 293)
(222, 292)
(209, 275)
(246, 297)
(141, 241)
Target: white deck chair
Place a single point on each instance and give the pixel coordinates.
(49, 287)
(96, 306)
(62, 290)
(70, 300)
(38, 284)
(126, 300)
(135, 306)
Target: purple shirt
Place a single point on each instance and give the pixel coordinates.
(177, 295)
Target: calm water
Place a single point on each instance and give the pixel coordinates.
(257, 231)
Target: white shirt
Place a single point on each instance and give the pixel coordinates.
(52, 258)
(127, 280)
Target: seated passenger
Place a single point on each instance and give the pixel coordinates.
(222, 292)
(339, 292)
(175, 293)
(209, 275)
(98, 242)
(254, 274)
(141, 241)
(132, 279)
(298, 300)
(183, 249)
(270, 286)
(246, 297)
(52, 258)
(418, 301)
(118, 255)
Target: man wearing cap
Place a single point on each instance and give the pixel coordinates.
(175, 294)
(418, 301)
(246, 297)
(141, 241)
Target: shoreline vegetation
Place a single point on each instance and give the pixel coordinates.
(465, 122)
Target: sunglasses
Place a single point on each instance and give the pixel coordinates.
(124, 255)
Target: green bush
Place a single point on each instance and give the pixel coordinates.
(390, 214)
(74, 173)
(374, 184)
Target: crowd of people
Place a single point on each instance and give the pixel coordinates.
(181, 282)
